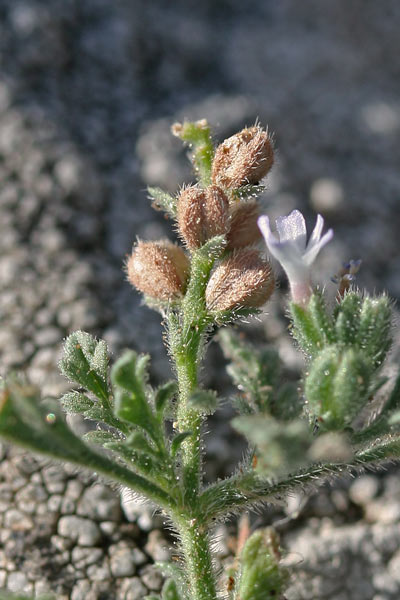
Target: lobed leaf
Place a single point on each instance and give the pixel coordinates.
(85, 362)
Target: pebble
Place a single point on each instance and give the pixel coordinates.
(139, 558)
(99, 572)
(81, 590)
(100, 503)
(152, 578)
(157, 546)
(3, 578)
(18, 582)
(109, 528)
(54, 503)
(29, 496)
(74, 489)
(47, 337)
(61, 543)
(68, 506)
(83, 557)
(132, 589)
(383, 511)
(17, 521)
(83, 531)
(122, 561)
(54, 479)
(364, 489)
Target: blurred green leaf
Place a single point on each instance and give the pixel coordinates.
(281, 447)
(204, 401)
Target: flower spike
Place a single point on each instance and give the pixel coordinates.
(293, 252)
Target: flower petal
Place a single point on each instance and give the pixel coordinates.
(264, 227)
(313, 251)
(293, 228)
(317, 231)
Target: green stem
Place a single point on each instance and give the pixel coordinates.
(186, 338)
(198, 562)
(189, 419)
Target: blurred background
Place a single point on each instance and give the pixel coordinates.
(88, 91)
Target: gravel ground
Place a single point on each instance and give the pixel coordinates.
(87, 94)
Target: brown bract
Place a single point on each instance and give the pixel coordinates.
(158, 269)
(242, 280)
(245, 158)
(202, 214)
(244, 230)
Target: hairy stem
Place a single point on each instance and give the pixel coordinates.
(186, 332)
(197, 556)
(189, 419)
(244, 490)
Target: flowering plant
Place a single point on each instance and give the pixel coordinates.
(153, 437)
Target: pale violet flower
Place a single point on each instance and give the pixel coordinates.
(291, 249)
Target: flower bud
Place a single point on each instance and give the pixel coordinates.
(245, 158)
(242, 280)
(158, 269)
(244, 230)
(337, 386)
(202, 214)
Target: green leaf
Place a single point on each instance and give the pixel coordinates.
(394, 419)
(337, 386)
(178, 440)
(322, 319)
(248, 191)
(287, 405)
(204, 401)
(348, 318)
(95, 413)
(135, 410)
(261, 577)
(37, 424)
(307, 333)
(393, 401)
(40, 427)
(130, 372)
(173, 571)
(170, 591)
(137, 441)
(98, 437)
(129, 375)
(85, 362)
(139, 460)
(374, 331)
(256, 373)
(382, 449)
(162, 200)
(241, 405)
(163, 395)
(281, 447)
(76, 403)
